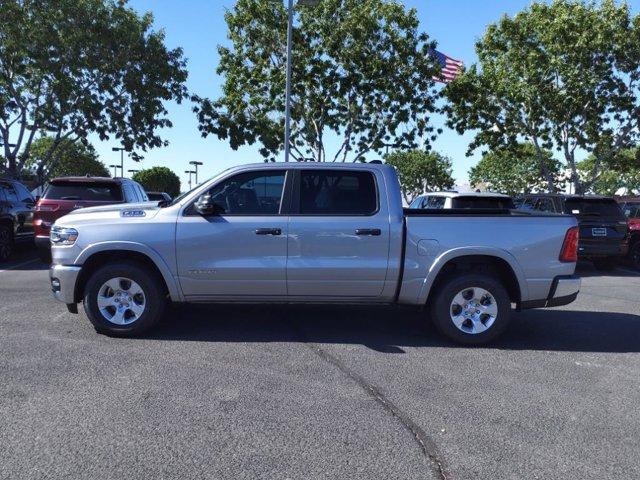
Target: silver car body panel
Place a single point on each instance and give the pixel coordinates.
(317, 258)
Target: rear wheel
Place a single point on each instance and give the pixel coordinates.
(6, 242)
(124, 299)
(605, 264)
(471, 308)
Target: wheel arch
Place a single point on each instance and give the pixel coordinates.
(496, 263)
(98, 255)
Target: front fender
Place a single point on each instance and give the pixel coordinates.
(172, 285)
(449, 255)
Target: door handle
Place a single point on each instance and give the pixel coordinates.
(268, 231)
(369, 231)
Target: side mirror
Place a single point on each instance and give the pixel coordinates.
(206, 207)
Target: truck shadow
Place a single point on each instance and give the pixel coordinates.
(389, 330)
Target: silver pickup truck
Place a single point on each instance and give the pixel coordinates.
(311, 233)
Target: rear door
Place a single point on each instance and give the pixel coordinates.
(24, 206)
(338, 243)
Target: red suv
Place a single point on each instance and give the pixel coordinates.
(65, 194)
(631, 208)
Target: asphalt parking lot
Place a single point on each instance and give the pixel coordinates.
(255, 392)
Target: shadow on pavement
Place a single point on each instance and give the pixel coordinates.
(389, 330)
(24, 257)
(586, 269)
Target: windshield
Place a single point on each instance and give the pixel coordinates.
(593, 207)
(483, 202)
(96, 192)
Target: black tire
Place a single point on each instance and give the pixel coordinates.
(605, 264)
(6, 242)
(441, 306)
(155, 300)
(634, 255)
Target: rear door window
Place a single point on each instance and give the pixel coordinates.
(337, 192)
(593, 207)
(10, 194)
(23, 194)
(95, 192)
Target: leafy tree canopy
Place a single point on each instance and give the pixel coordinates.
(561, 75)
(73, 67)
(362, 72)
(625, 177)
(421, 171)
(159, 179)
(515, 170)
(70, 158)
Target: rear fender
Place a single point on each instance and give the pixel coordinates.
(452, 254)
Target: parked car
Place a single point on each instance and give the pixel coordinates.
(631, 208)
(321, 233)
(16, 216)
(463, 200)
(604, 233)
(65, 194)
(159, 197)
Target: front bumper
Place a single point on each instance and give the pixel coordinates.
(63, 282)
(564, 290)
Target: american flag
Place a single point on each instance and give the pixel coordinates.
(451, 67)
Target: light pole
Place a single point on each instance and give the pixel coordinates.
(115, 170)
(287, 105)
(195, 164)
(133, 171)
(190, 172)
(121, 150)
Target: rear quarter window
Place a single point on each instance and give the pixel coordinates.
(95, 192)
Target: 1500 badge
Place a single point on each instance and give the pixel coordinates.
(132, 213)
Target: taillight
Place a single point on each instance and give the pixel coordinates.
(569, 252)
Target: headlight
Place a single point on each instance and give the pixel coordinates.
(63, 235)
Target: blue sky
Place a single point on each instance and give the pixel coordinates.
(198, 27)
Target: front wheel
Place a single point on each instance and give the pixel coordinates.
(471, 308)
(124, 299)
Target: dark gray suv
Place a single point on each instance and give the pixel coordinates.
(16, 216)
(604, 232)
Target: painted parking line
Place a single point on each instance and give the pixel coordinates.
(13, 267)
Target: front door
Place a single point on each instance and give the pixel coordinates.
(338, 235)
(242, 250)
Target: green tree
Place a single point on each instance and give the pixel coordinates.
(625, 176)
(515, 170)
(159, 179)
(74, 67)
(362, 72)
(561, 75)
(421, 171)
(68, 159)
